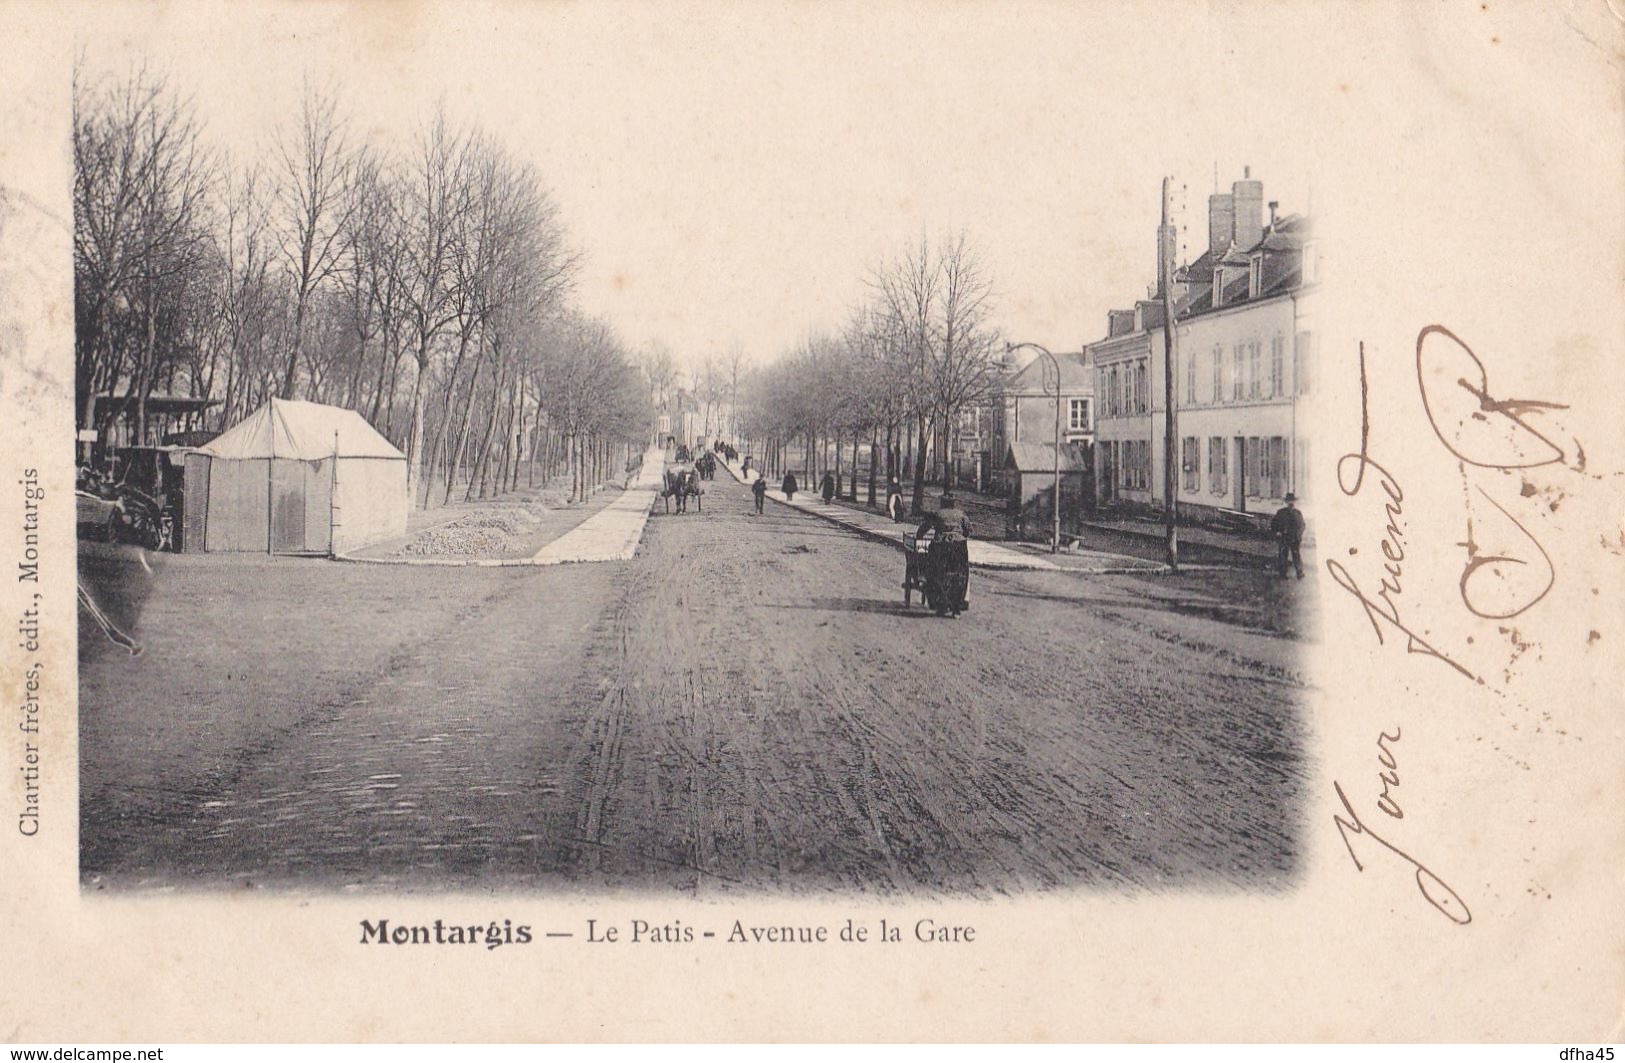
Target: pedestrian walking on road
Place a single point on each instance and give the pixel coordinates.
(827, 488)
(1287, 527)
(758, 489)
(894, 500)
(789, 487)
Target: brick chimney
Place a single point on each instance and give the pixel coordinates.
(1247, 200)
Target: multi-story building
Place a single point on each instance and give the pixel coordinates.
(1244, 363)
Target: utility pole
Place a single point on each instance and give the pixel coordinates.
(1165, 279)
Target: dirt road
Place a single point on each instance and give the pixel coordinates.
(744, 706)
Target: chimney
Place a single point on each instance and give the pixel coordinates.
(1247, 198)
(1274, 203)
(1221, 223)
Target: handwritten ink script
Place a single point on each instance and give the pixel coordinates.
(1433, 888)
(1505, 570)
(1382, 606)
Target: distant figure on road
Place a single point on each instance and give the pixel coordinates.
(827, 488)
(790, 487)
(894, 500)
(758, 488)
(744, 470)
(1287, 527)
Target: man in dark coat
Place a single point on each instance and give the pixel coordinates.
(758, 488)
(1287, 528)
(950, 544)
(827, 488)
(790, 487)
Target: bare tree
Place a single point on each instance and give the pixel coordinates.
(313, 202)
(431, 202)
(963, 372)
(142, 181)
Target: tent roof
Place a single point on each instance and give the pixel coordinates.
(309, 431)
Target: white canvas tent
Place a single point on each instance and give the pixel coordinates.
(296, 478)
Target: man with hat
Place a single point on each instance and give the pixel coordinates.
(1287, 527)
(950, 548)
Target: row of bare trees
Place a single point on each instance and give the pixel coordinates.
(916, 353)
(424, 285)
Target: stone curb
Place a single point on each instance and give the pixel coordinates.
(516, 562)
(1000, 566)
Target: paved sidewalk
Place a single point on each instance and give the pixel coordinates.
(983, 554)
(613, 533)
(1257, 547)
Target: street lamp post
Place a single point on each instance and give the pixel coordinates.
(1055, 533)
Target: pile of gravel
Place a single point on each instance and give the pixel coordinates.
(514, 522)
(488, 532)
(454, 540)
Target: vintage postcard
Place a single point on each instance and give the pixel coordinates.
(895, 521)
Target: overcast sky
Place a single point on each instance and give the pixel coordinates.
(733, 173)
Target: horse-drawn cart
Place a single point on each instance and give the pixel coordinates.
(682, 484)
(942, 590)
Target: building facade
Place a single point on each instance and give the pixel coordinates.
(1244, 367)
(1026, 408)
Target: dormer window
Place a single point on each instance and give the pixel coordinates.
(1255, 279)
(1218, 286)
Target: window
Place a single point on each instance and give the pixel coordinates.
(1190, 379)
(1255, 471)
(1304, 356)
(1140, 390)
(1255, 276)
(1218, 465)
(1190, 463)
(1277, 470)
(1255, 381)
(1237, 375)
(1218, 373)
(1078, 415)
(1277, 365)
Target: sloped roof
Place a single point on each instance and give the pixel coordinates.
(309, 431)
(1040, 457)
(1075, 374)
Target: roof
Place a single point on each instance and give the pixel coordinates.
(1075, 375)
(308, 431)
(1040, 457)
(159, 404)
